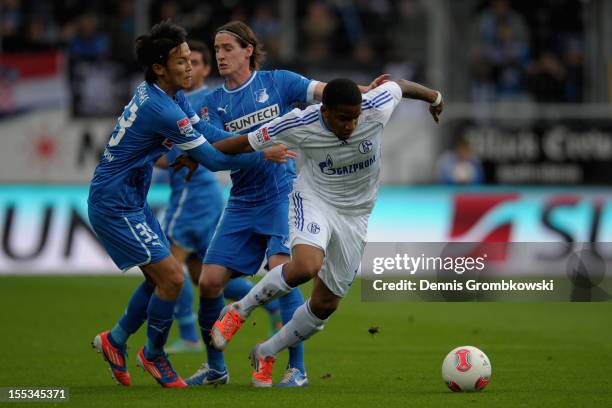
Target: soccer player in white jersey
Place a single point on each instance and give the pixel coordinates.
(331, 202)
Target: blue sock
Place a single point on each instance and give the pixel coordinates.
(210, 308)
(237, 288)
(134, 316)
(272, 307)
(183, 312)
(288, 304)
(159, 321)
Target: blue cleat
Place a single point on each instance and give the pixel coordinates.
(293, 378)
(161, 370)
(206, 376)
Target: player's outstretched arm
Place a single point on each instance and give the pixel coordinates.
(234, 145)
(214, 160)
(413, 90)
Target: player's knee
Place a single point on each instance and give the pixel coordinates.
(211, 283)
(174, 280)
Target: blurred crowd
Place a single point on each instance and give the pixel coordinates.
(527, 51)
(328, 32)
(518, 50)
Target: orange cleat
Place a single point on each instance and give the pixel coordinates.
(263, 365)
(114, 356)
(225, 327)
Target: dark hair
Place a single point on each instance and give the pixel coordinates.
(154, 47)
(199, 46)
(245, 37)
(341, 91)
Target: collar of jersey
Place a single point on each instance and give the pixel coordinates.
(241, 87)
(195, 91)
(162, 91)
(323, 124)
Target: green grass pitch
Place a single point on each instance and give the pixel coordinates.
(543, 354)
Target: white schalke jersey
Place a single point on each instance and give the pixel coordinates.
(344, 174)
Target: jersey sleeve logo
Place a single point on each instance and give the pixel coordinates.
(262, 136)
(167, 143)
(204, 114)
(261, 95)
(185, 127)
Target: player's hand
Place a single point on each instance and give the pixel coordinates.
(279, 154)
(185, 161)
(378, 81)
(436, 111)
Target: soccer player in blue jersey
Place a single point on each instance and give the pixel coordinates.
(194, 210)
(150, 125)
(254, 225)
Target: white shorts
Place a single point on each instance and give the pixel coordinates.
(342, 237)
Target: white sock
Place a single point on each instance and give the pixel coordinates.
(270, 287)
(302, 326)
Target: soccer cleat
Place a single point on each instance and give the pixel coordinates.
(262, 376)
(206, 375)
(184, 346)
(293, 378)
(114, 356)
(161, 369)
(225, 327)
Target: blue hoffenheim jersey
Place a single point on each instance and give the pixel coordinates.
(263, 97)
(148, 127)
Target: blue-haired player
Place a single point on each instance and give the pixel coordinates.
(150, 125)
(194, 209)
(254, 225)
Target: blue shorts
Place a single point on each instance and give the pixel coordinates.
(130, 240)
(245, 236)
(191, 224)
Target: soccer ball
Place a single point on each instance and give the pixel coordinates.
(466, 368)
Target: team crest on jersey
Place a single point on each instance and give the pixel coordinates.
(184, 126)
(365, 146)
(313, 228)
(204, 113)
(261, 95)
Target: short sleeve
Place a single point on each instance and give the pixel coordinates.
(173, 124)
(295, 87)
(382, 101)
(173, 154)
(287, 129)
